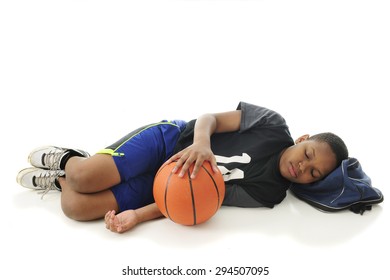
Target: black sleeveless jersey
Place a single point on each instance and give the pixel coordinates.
(250, 157)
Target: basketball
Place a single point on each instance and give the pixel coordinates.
(188, 201)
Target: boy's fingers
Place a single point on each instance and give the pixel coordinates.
(107, 218)
(186, 165)
(182, 164)
(214, 165)
(215, 168)
(197, 167)
(175, 157)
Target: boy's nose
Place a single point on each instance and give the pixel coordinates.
(302, 167)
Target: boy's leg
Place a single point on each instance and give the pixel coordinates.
(127, 167)
(91, 175)
(84, 174)
(83, 206)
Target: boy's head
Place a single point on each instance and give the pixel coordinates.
(312, 158)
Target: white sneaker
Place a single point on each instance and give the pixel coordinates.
(50, 157)
(40, 179)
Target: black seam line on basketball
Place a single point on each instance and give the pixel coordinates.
(166, 195)
(192, 196)
(215, 185)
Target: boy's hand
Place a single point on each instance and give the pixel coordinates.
(195, 153)
(121, 222)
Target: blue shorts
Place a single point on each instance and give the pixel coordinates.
(138, 156)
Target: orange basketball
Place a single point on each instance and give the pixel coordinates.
(188, 201)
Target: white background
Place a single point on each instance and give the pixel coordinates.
(84, 73)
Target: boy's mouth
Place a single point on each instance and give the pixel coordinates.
(292, 171)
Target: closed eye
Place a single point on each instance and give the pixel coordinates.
(315, 174)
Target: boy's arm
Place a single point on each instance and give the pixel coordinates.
(200, 150)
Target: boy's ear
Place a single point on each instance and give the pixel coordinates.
(302, 138)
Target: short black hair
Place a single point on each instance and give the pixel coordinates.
(336, 144)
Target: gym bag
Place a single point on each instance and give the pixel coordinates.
(346, 187)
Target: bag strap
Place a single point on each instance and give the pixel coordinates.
(360, 208)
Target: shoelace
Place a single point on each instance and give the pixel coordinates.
(52, 159)
(46, 180)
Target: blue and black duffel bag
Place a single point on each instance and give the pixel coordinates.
(346, 187)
